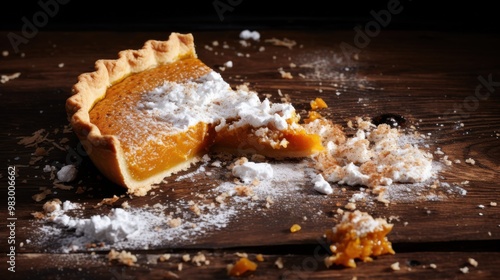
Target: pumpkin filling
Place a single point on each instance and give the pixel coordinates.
(175, 112)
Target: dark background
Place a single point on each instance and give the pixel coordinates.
(477, 16)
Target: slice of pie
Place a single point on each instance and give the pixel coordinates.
(157, 110)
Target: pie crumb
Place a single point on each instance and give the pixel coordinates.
(6, 78)
(285, 75)
(473, 262)
(199, 259)
(295, 228)
(41, 196)
(279, 263)
(107, 201)
(164, 257)
(241, 266)
(122, 257)
(395, 266)
(470, 161)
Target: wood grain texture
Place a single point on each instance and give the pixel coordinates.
(430, 78)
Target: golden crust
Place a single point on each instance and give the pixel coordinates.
(105, 150)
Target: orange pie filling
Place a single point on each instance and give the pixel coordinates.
(170, 115)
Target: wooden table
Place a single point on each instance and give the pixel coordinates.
(445, 84)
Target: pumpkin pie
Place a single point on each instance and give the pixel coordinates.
(155, 111)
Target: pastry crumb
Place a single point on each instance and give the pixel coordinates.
(242, 266)
(470, 161)
(6, 78)
(285, 75)
(241, 254)
(186, 257)
(107, 201)
(473, 262)
(350, 206)
(122, 257)
(283, 43)
(395, 266)
(52, 206)
(41, 196)
(164, 258)
(173, 223)
(200, 259)
(279, 263)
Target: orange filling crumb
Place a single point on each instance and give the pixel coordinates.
(313, 115)
(241, 266)
(295, 228)
(318, 103)
(259, 257)
(358, 236)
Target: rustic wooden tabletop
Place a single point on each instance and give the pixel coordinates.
(444, 84)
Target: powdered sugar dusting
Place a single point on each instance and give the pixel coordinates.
(134, 228)
(185, 222)
(210, 99)
(167, 224)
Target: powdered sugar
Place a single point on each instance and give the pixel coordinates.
(247, 34)
(118, 225)
(250, 171)
(210, 99)
(133, 228)
(321, 185)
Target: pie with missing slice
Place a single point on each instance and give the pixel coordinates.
(155, 111)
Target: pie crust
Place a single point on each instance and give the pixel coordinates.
(106, 150)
